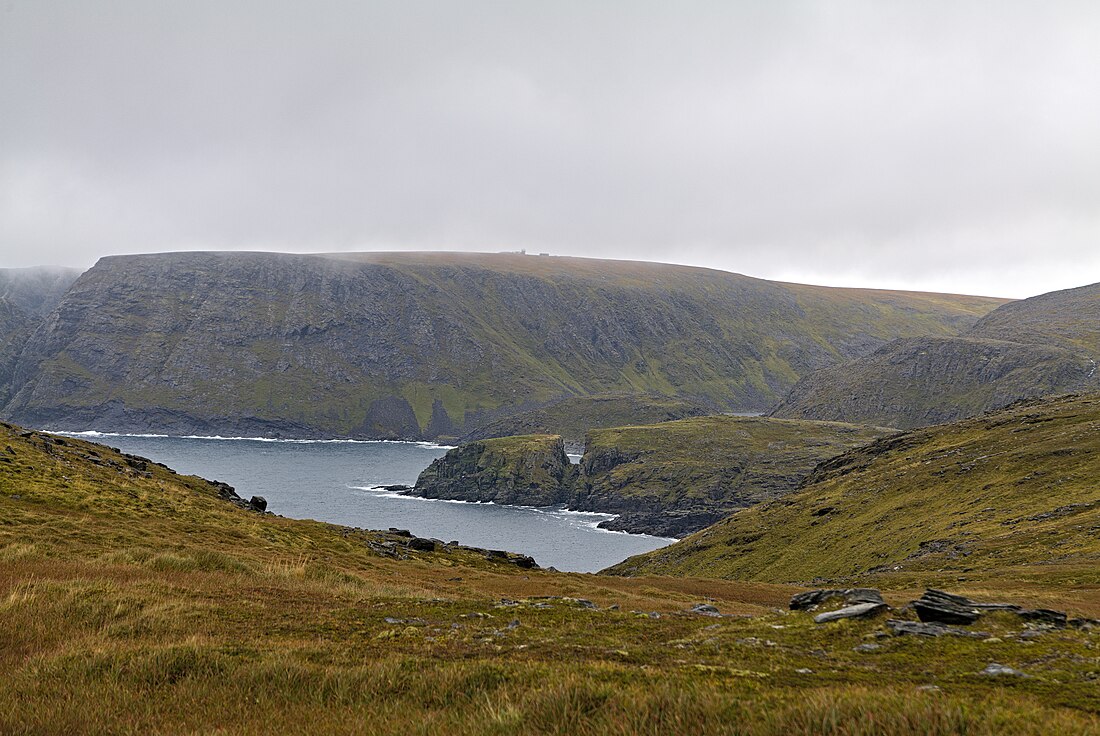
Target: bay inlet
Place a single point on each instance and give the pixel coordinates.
(337, 481)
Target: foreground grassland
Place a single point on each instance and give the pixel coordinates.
(133, 600)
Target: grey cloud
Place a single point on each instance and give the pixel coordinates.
(924, 145)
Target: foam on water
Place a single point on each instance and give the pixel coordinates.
(93, 434)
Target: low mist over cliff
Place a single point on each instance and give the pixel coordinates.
(430, 345)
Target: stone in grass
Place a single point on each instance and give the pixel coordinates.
(936, 606)
(705, 609)
(1044, 616)
(258, 503)
(999, 670)
(859, 610)
(917, 628)
(812, 598)
(864, 648)
(420, 544)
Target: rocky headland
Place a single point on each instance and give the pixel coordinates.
(668, 479)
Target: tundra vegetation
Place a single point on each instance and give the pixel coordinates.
(136, 600)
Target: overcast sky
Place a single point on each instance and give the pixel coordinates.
(931, 145)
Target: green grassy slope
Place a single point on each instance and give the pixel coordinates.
(676, 477)
(572, 418)
(407, 345)
(134, 600)
(1043, 346)
(1010, 495)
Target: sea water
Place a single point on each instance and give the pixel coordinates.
(337, 481)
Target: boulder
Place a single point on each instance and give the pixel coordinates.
(916, 628)
(705, 609)
(1044, 616)
(420, 544)
(258, 503)
(936, 606)
(999, 670)
(859, 610)
(811, 598)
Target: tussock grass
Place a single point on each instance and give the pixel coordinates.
(193, 616)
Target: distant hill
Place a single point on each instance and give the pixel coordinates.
(1043, 346)
(430, 345)
(1009, 495)
(26, 296)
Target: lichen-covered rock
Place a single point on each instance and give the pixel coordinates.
(810, 599)
(859, 610)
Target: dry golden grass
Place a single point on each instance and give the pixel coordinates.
(135, 601)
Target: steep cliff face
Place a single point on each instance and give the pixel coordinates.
(26, 296)
(531, 470)
(1043, 346)
(426, 345)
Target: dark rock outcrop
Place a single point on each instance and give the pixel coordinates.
(531, 470)
(936, 606)
(811, 599)
(917, 628)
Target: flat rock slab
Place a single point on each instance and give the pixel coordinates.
(916, 628)
(999, 670)
(936, 606)
(812, 598)
(859, 610)
(705, 609)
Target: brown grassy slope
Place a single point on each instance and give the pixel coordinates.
(134, 603)
(1009, 496)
